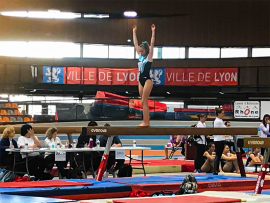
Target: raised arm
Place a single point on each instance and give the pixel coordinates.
(135, 40)
(152, 44)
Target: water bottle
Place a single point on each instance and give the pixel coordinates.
(91, 143)
(53, 145)
(134, 143)
(98, 143)
(58, 144)
(74, 143)
(26, 146)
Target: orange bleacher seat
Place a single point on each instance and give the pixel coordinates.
(14, 105)
(3, 112)
(8, 105)
(32, 119)
(26, 119)
(1, 120)
(17, 112)
(6, 119)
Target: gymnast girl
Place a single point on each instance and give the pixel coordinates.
(145, 53)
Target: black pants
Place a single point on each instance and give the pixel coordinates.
(96, 160)
(111, 161)
(36, 166)
(61, 165)
(219, 145)
(198, 162)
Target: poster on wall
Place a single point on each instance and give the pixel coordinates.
(246, 109)
(265, 108)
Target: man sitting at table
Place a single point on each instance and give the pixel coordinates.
(36, 162)
(113, 164)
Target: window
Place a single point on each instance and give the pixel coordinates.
(157, 53)
(35, 110)
(124, 52)
(13, 48)
(53, 49)
(173, 52)
(95, 51)
(261, 52)
(51, 109)
(234, 52)
(204, 52)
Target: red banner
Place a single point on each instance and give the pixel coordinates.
(201, 76)
(161, 76)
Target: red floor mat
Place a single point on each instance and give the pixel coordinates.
(181, 199)
(187, 165)
(43, 184)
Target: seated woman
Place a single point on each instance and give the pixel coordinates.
(209, 157)
(229, 160)
(254, 157)
(7, 142)
(83, 142)
(174, 142)
(52, 139)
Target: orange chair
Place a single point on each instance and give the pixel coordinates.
(14, 105)
(3, 112)
(32, 119)
(1, 120)
(6, 119)
(17, 112)
(8, 105)
(26, 119)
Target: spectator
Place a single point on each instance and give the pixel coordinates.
(52, 139)
(200, 145)
(219, 140)
(209, 157)
(174, 142)
(264, 128)
(83, 141)
(36, 161)
(7, 142)
(254, 157)
(113, 164)
(229, 160)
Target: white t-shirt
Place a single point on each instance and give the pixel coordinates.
(264, 130)
(201, 125)
(22, 140)
(48, 143)
(218, 123)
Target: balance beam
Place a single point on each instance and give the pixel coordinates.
(168, 131)
(43, 129)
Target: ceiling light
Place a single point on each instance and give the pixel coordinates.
(130, 14)
(126, 92)
(89, 15)
(50, 14)
(221, 93)
(129, 40)
(168, 93)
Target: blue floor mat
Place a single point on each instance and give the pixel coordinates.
(264, 192)
(20, 199)
(175, 179)
(97, 187)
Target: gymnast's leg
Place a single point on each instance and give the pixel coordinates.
(144, 98)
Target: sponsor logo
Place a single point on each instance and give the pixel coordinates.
(211, 185)
(98, 130)
(256, 142)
